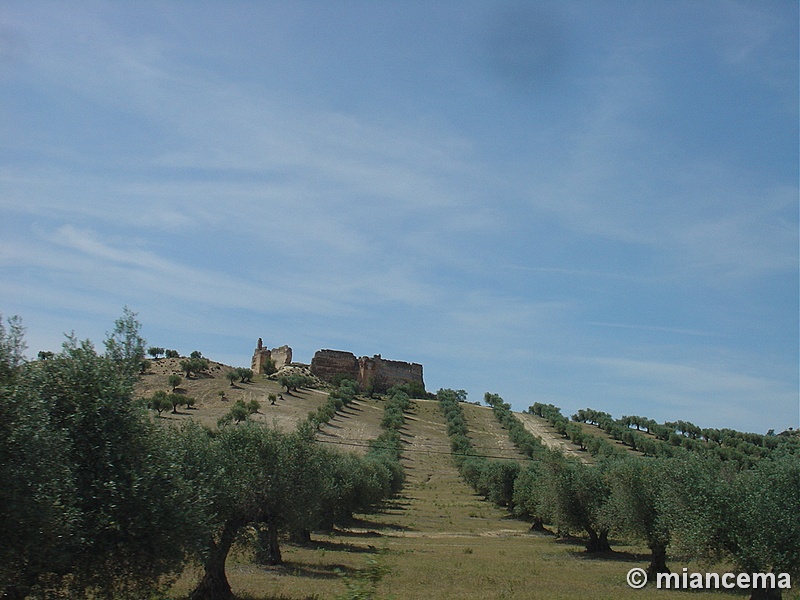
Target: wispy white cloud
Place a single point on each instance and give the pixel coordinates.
(354, 187)
(124, 268)
(745, 242)
(694, 380)
(140, 167)
(700, 216)
(576, 272)
(656, 328)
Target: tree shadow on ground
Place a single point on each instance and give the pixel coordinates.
(612, 555)
(313, 571)
(273, 597)
(334, 546)
(373, 525)
(357, 534)
(400, 503)
(173, 416)
(569, 540)
(323, 432)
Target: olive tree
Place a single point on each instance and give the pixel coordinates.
(85, 508)
(124, 345)
(238, 413)
(528, 495)
(37, 495)
(174, 381)
(294, 381)
(247, 475)
(748, 517)
(12, 347)
(576, 496)
(637, 504)
(194, 364)
(764, 534)
(245, 374)
(159, 401)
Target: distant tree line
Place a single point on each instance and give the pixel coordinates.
(673, 438)
(384, 451)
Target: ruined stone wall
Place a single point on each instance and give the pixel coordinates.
(327, 364)
(376, 373)
(280, 357)
(260, 358)
(382, 374)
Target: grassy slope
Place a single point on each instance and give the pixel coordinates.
(354, 426)
(487, 434)
(438, 539)
(205, 389)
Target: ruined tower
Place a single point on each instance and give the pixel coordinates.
(280, 357)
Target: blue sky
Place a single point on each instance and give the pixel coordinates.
(593, 204)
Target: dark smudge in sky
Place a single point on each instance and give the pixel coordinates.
(525, 47)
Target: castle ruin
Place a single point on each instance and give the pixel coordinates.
(377, 374)
(280, 357)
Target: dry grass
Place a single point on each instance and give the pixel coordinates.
(354, 426)
(209, 406)
(487, 434)
(542, 429)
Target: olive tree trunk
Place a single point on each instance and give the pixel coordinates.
(269, 550)
(214, 585)
(598, 542)
(658, 560)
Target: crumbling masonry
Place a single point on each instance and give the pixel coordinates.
(376, 374)
(280, 357)
(372, 374)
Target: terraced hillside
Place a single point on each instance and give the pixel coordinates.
(353, 426)
(437, 540)
(487, 435)
(545, 432)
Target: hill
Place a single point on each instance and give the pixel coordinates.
(437, 540)
(214, 395)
